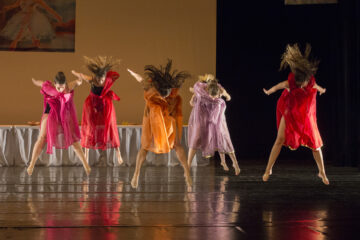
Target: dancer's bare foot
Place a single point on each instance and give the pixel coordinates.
(87, 170)
(30, 170)
(237, 169)
(188, 180)
(324, 179)
(119, 158)
(134, 181)
(225, 167)
(266, 176)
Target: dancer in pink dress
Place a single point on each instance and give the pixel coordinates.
(59, 126)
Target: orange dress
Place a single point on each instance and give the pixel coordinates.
(162, 121)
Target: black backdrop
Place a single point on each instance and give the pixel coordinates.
(251, 37)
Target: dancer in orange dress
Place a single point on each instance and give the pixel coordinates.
(162, 121)
(296, 109)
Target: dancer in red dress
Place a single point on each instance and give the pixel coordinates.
(296, 109)
(98, 125)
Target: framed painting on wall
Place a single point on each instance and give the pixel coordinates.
(37, 25)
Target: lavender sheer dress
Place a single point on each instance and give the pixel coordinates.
(207, 129)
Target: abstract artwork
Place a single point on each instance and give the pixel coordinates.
(37, 25)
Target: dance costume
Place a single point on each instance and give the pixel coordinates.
(99, 126)
(62, 124)
(298, 107)
(162, 121)
(207, 129)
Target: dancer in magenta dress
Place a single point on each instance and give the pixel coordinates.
(59, 126)
(296, 109)
(207, 129)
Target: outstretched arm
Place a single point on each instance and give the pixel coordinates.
(72, 85)
(37, 83)
(282, 85)
(320, 89)
(138, 77)
(82, 76)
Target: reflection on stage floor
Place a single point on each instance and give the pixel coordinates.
(62, 203)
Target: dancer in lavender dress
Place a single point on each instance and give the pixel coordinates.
(208, 130)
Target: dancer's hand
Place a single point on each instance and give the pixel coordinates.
(79, 81)
(191, 89)
(267, 92)
(76, 74)
(322, 91)
(138, 77)
(37, 82)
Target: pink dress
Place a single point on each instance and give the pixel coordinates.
(62, 129)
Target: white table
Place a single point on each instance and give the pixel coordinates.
(17, 142)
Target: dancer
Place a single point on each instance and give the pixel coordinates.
(59, 126)
(29, 24)
(162, 121)
(98, 125)
(207, 129)
(296, 109)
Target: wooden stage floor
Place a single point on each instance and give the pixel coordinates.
(62, 203)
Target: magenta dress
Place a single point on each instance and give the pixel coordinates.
(62, 129)
(207, 129)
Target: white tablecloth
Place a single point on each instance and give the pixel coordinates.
(17, 142)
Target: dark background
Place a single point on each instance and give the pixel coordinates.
(252, 35)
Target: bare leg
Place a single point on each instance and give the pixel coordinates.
(180, 153)
(81, 155)
(118, 154)
(191, 155)
(86, 152)
(235, 163)
(320, 164)
(223, 162)
(140, 158)
(275, 151)
(39, 145)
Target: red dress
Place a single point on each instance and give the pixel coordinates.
(298, 107)
(98, 126)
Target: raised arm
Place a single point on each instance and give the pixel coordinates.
(37, 83)
(321, 90)
(82, 76)
(282, 85)
(72, 85)
(138, 77)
